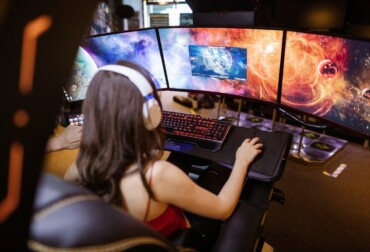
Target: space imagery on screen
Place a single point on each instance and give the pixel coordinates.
(140, 46)
(236, 61)
(328, 77)
(218, 62)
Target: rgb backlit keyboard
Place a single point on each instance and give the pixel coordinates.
(206, 133)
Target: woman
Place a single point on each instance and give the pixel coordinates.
(120, 154)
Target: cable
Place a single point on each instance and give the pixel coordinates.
(306, 124)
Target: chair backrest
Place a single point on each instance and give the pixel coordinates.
(68, 216)
(38, 43)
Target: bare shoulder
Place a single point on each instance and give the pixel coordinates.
(163, 166)
(164, 170)
(171, 185)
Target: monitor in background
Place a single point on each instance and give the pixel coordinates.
(140, 46)
(328, 77)
(234, 61)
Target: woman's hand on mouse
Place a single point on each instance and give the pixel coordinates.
(248, 150)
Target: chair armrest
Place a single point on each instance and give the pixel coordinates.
(242, 230)
(188, 239)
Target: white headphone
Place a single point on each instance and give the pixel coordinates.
(152, 113)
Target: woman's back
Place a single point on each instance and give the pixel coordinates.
(136, 196)
(159, 215)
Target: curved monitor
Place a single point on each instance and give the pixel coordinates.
(328, 77)
(139, 46)
(241, 62)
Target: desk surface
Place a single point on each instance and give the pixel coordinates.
(268, 166)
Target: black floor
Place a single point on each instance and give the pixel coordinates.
(322, 213)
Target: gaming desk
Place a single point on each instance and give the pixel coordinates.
(268, 166)
(258, 190)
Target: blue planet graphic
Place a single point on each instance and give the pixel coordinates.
(83, 70)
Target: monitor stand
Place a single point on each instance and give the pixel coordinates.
(308, 147)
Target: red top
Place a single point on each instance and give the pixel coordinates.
(169, 221)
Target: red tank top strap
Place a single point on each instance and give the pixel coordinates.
(149, 199)
(170, 220)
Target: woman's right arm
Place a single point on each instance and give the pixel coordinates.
(245, 154)
(172, 186)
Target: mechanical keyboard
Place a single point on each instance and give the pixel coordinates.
(208, 134)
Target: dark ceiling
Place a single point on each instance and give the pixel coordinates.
(298, 14)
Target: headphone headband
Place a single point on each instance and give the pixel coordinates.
(151, 110)
(135, 77)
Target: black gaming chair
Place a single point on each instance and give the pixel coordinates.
(69, 217)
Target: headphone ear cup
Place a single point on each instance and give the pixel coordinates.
(152, 114)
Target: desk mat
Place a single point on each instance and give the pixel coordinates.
(267, 166)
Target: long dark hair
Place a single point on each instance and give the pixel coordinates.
(114, 134)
